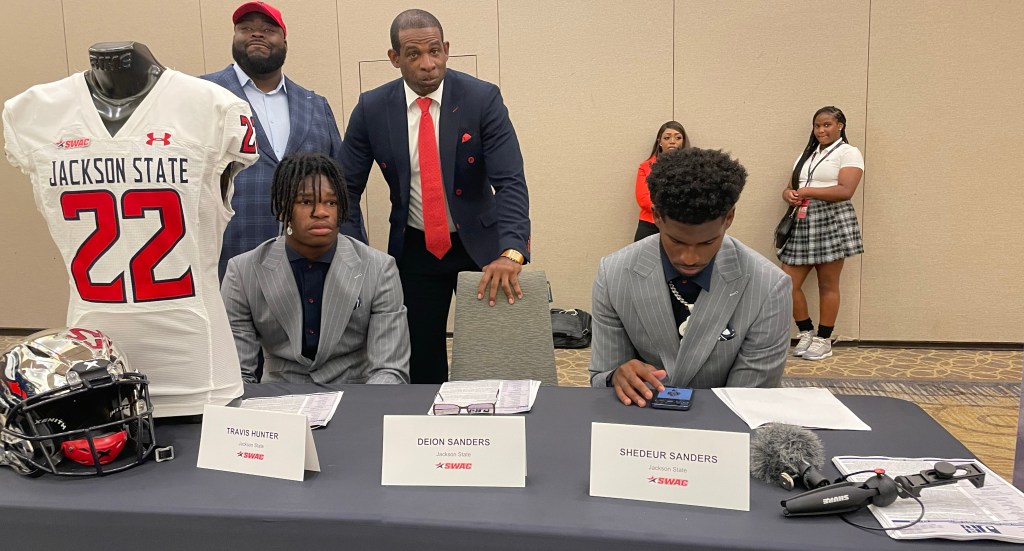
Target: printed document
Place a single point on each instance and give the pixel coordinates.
(955, 511)
(319, 408)
(812, 408)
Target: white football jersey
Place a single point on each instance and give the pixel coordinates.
(139, 220)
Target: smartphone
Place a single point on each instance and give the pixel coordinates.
(673, 398)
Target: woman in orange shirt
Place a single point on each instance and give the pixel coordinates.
(670, 136)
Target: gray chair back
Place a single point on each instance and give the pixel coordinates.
(504, 341)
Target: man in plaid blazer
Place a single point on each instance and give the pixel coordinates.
(288, 119)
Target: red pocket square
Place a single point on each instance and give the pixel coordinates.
(466, 138)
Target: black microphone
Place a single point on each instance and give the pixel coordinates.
(781, 454)
(843, 497)
(879, 490)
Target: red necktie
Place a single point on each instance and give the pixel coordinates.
(435, 222)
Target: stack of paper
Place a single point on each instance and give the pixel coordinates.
(318, 407)
(813, 408)
(507, 396)
(956, 511)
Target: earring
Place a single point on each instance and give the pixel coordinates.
(288, 229)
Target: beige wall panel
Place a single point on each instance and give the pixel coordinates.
(313, 55)
(33, 282)
(587, 84)
(748, 77)
(943, 218)
(470, 27)
(172, 32)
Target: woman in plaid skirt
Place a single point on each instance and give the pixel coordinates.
(826, 231)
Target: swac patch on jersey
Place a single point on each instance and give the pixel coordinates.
(73, 143)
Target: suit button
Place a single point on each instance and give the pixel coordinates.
(456, 226)
(471, 160)
(458, 191)
(383, 166)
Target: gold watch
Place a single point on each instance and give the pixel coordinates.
(514, 256)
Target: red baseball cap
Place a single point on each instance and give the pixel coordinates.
(265, 9)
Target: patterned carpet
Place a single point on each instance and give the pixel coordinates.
(974, 394)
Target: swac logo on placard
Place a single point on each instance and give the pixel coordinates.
(73, 143)
(665, 481)
(164, 140)
(454, 466)
(251, 455)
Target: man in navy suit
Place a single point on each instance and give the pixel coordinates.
(442, 140)
(288, 119)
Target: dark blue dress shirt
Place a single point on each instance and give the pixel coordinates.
(688, 287)
(310, 276)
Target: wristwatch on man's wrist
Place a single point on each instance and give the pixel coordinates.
(514, 256)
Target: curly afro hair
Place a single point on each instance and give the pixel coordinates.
(694, 186)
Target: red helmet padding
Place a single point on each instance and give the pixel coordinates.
(107, 448)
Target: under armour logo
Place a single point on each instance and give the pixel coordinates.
(165, 140)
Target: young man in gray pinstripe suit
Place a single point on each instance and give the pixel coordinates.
(324, 308)
(690, 306)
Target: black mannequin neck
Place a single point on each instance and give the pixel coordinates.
(121, 75)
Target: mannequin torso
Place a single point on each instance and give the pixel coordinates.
(121, 75)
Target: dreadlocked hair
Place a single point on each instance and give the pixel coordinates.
(694, 185)
(812, 142)
(289, 176)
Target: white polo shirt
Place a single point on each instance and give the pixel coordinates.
(825, 169)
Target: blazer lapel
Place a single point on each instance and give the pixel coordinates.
(652, 304)
(341, 293)
(300, 114)
(448, 132)
(710, 314)
(398, 130)
(278, 284)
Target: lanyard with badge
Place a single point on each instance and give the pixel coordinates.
(811, 167)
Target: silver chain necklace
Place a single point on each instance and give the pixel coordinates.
(686, 307)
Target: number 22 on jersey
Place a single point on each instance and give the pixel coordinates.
(166, 203)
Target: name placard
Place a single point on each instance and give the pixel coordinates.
(456, 450)
(259, 442)
(670, 465)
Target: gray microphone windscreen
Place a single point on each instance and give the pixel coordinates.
(778, 447)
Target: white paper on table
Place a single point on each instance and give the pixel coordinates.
(813, 408)
(508, 396)
(956, 511)
(319, 407)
